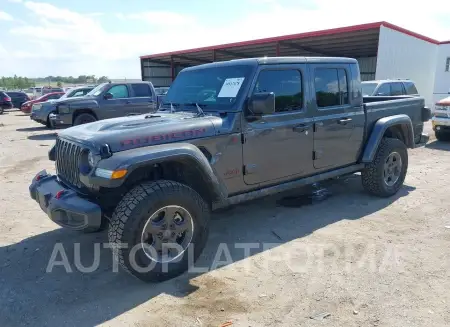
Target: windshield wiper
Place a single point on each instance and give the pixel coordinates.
(172, 105)
(200, 112)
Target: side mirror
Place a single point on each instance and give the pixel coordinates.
(262, 104)
(108, 96)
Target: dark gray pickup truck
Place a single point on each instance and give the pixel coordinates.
(227, 132)
(107, 100)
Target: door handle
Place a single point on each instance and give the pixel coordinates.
(344, 121)
(300, 128)
(128, 102)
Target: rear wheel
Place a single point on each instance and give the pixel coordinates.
(84, 119)
(385, 175)
(1, 110)
(159, 229)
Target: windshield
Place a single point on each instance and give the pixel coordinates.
(97, 90)
(215, 88)
(368, 88)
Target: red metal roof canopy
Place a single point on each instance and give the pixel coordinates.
(352, 41)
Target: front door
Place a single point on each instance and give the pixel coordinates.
(142, 99)
(279, 146)
(339, 116)
(119, 105)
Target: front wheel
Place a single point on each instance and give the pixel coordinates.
(84, 119)
(159, 229)
(441, 136)
(385, 175)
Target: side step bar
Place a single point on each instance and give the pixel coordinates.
(252, 195)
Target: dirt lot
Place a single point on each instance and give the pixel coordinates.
(351, 260)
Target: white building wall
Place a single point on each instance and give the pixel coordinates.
(404, 56)
(441, 77)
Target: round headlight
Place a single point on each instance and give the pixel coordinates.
(91, 159)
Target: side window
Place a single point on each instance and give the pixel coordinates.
(78, 93)
(410, 88)
(285, 84)
(119, 91)
(331, 87)
(141, 90)
(397, 88)
(384, 90)
(447, 65)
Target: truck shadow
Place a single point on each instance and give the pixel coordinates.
(438, 145)
(67, 296)
(32, 129)
(43, 137)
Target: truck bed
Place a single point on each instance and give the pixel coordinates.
(377, 107)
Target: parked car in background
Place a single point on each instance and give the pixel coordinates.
(40, 111)
(18, 98)
(46, 90)
(5, 102)
(161, 90)
(107, 100)
(389, 88)
(441, 119)
(27, 106)
(161, 93)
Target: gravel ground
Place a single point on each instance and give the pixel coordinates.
(351, 260)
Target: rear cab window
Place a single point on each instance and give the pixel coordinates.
(141, 90)
(287, 86)
(331, 86)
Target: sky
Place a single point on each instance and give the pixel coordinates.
(106, 37)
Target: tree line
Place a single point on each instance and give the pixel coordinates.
(19, 82)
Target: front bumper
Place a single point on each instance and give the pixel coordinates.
(440, 123)
(63, 205)
(60, 120)
(7, 106)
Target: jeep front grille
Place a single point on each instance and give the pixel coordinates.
(68, 155)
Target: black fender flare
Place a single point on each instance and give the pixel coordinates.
(148, 156)
(380, 127)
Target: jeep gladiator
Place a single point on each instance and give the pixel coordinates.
(227, 132)
(106, 100)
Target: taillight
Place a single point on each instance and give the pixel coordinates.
(6, 99)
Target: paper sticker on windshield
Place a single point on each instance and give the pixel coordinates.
(231, 87)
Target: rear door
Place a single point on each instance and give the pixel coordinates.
(143, 99)
(279, 146)
(119, 105)
(339, 115)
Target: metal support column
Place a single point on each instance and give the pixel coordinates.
(172, 68)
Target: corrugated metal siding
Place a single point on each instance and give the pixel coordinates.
(441, 78)
(367, 67)
(404, 56)
(159, 74)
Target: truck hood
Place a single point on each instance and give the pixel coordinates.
(130, 132)
(77, 101)
(444, 102)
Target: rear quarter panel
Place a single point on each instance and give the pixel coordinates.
(379, 107)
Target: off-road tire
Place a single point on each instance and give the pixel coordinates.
(83, 119)
(1, 111)
(372, 175)
(131, 215)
